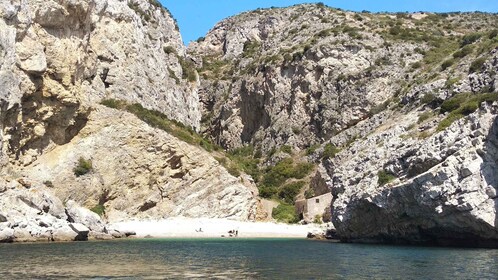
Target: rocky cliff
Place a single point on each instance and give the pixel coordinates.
(397, 111)
(58, 61)
(394, 114)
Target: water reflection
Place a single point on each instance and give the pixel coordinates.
(241, 259)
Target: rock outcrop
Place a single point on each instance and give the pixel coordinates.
(58, 61)
(30, 212)
(60, 57)
(397, 113)
(394, 114)
(141, 172)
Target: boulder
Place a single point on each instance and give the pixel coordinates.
(23, 235)
(64, 233)
(81, 230)
(6, 235)
(78, 214)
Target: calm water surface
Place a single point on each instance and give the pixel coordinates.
(241, 259)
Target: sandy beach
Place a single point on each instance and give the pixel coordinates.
(203, 228)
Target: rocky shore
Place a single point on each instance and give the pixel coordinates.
(31, 212)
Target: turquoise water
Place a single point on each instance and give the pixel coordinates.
(241, 259)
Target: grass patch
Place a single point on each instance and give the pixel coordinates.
(330, 151)
(250, 48)
(385, 177)
(285, 213)
(247, 160)
(159, 120)
(463, 52)
(83, 167)
(470, 39)
(461, 105)
(477, 65)
(286, 149)
(99, 210)
(424, 116)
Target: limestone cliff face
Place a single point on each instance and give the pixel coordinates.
(294, 76)
(60, 57)
(142, 172)
(407, 100)
(58, 60)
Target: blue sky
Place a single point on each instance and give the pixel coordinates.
(196, 17)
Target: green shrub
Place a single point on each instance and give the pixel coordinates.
(250, 48)
(289, 191)
(318, 219)
(169, 50)
(285, 169)
(477, 65)
(463, 104)
(416, 65)
(454, 102)
(84, 166)
(384, 177)
(493, 34)
(446, 122)
(233, 170)
(188, 69)
(113, 103)
(286, 149)
(99, 210)
(309, 193)
(447, 63)
(312, 149)
(302, 170)
(247, 160)
(267, 191)
(285, 213)
(463, 52)
(330, 151)
(428, 98)
(470, 39)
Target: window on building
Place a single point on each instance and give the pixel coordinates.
(317, 200)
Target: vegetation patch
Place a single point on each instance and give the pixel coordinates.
(251, 48)
(83, 167)
(470, 39)
(275, 176)
(477, 65)
(188, 69)
(385, 177)
(285, 213)
(159, 120)
(424, 116)
(288, 192)
(245, 159)
(99, 210)
(463, 52)
(330, 151)
(461, 105)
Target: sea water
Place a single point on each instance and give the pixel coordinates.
(235, 258)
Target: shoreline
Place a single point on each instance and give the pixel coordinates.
(214, 228)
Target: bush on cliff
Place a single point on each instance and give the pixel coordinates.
(84, 166)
